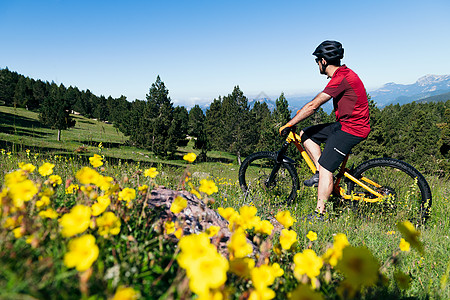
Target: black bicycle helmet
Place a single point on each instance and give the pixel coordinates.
(330, 51)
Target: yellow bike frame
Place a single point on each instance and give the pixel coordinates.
(343, 172)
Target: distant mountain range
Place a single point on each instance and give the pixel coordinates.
(425, 87)
(429, 88)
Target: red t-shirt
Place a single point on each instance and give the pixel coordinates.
(350, 101)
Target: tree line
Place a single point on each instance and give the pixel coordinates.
(418, 133)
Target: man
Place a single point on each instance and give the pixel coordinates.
(351, 126)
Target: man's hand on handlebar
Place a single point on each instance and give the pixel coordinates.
(284, 130)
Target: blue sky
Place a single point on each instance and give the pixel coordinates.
(202, 49)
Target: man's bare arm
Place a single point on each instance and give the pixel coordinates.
(309, 108)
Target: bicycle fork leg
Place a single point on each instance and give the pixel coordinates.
(277, 165)
(272, 175)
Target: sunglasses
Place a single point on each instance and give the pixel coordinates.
(317, 60)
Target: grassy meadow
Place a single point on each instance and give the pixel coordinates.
(74, 224)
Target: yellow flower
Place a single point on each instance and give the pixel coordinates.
(247, 217)
(411, 235)
(304, 292)
(143, 188)
(227, 213)
(332, 255)
(169, 226)
(262, 294)
(212, 230)
(50, 213)
(178, 204)
(104, 182)
(96, 161)
(83, 252)
(284, 217)
(404, 245)
(178, 233)
(15, 177)
(205, 268)
(208, 272)
(264, 227)
(307, 263)
(312, 236)
(22, 191)
(190, 157)
(287, 238)
(208, 186)
(46, 169)
(101, 205)
(87, 175)
(12, 222)
(124, 293)
(359, 266)
(242, 266)
(127, 194)
(54, 180)
(72, 188)
(390, 232)
(18, 232)
(108, 224)
(151, 173)
(265, 275)
(238, 244)
(27, 167)
(193, 247)
(75, 222)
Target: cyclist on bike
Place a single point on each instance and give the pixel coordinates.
(351, 126)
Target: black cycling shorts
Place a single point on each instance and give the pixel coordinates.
(338, 143)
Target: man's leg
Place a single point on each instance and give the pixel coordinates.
(313, 151)
(325, 188)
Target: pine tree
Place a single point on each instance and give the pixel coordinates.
(55, 112)
(196, 129)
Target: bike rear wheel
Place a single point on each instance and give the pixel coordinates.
(255, 171)
(407, 193)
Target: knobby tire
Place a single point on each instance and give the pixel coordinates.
(256, 168)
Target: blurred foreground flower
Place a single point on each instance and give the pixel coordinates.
(332, 255)
(108, 224)
(304, 292)
(287, 238)
(284, 217)
(359, 266)
(307, 263)
(124, 293)
(127, 194)
(238, 245)
(178, 204)
(75, 222)
(101, 205)
(83, 252)
(27, 167)
(46, 169)
(205, 268)
(411, 235)
(190, 157)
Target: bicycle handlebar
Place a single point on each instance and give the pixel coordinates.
(285, 132)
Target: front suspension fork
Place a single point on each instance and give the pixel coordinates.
(277, 166)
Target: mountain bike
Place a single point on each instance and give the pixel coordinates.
(390, 184)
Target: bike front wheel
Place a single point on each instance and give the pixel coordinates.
(406, 193)
(254, 174)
